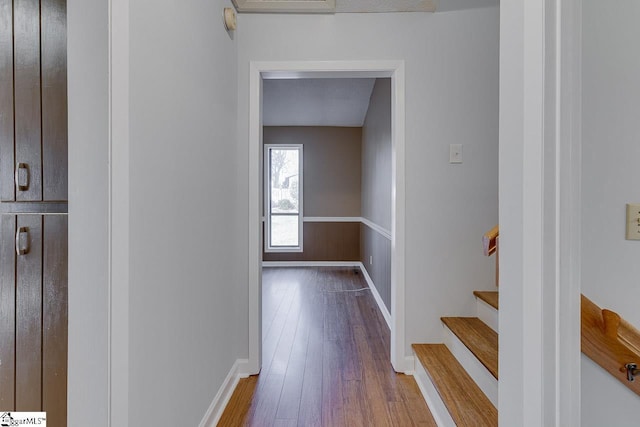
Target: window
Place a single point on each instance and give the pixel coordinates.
(283, 198)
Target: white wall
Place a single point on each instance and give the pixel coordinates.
(88, 87)
(184, 323)
(185, 327)
(451, 97)
(610, 147)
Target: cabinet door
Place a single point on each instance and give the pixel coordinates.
(7, 311)
(29, 313)
(54, 319)
(7, 160)
(33, 315)
(27, 101)
(54, 100)
(33, 100)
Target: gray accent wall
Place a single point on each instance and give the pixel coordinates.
(375, 255)
(376, 156)
(375, 249)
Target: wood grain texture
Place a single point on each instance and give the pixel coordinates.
(479, 338)
(54, 100)
(325, 358)
(27, 92)
(611, 353)
(7, 312)
(490, 297)
(489, 240)
(29, 318)
(54, 319)
(7, 192)
(324, 241)
(465, 401)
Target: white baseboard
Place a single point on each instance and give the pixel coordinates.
(409, 367)
(438, 409)
(476, 370)
(213, 414)
(376, 295)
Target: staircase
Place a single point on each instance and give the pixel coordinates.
(459, 378)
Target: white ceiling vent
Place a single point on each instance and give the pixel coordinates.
(286, 6)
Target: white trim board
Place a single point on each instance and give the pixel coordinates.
(375, 227)
(118, 214)
(394, 69)
(222, 397)
(376, 295)
(539, 186)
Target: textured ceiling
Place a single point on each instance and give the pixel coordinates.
(316, 102)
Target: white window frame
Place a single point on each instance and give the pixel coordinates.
(267, 199)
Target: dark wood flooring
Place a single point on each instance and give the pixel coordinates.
(325, 358)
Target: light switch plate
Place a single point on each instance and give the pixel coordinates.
(455, 153)
(633, 221)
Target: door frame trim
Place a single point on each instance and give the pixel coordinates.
(260, 70)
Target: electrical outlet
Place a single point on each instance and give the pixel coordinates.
(633, 221)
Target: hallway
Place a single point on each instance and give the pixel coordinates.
(325, 358)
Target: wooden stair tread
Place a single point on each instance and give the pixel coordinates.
(490, 297)
(480, 339)
(466, 403)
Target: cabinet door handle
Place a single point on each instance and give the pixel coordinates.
(22, 241)
(22, 176)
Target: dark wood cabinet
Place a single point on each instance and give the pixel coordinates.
(33, 208)
(33, 314)
(33, 89)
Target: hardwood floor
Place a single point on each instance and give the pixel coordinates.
(325, 358)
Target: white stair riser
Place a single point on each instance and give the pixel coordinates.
(476, 370)
(437, 407)
(487, 314)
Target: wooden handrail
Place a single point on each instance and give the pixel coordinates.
(491, 245)
(610, 341)
(490, 241)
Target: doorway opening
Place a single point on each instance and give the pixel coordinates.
(261, 71)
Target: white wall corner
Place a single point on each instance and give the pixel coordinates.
(221, 399)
